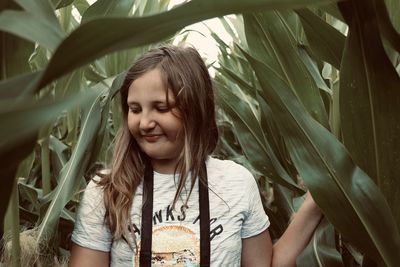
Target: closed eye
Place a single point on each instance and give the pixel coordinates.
(135, 110)
(162, 109)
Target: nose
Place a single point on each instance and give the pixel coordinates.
(146, 123)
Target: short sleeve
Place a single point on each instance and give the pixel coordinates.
(256, 220)
(90, 230)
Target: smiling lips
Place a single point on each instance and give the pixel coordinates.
(151, 137)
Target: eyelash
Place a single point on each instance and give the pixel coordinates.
(134, 110)
(162, 109)
(159, 109)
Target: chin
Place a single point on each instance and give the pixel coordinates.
(155, 155)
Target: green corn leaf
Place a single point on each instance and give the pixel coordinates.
(73, 171)
(37, 23)
(369, 102)
(57, 150)
(112, 8)
(313, 70)
(61, 3)
(347, 196)
(19, 86)
(30, 193)
(392, 7)
(23, 119)
(283, 211)
(81, 6)
(114, 83)
(252, 139)
(38, 31)
(385, 24)
(14, 54)
(321, 251)
(273, 41)
(333, 10)
(79, 48)
(42, 9)
(325, 41)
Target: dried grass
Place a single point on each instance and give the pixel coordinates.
(31, 254)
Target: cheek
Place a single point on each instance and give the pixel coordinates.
(132, 125)
(177, 130)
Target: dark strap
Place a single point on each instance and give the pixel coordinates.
(204, 220)
(147, 217)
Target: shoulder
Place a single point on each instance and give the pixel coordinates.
(93, 190)
(98, 179)
(93, 183)
(229, 171)
(214, 164)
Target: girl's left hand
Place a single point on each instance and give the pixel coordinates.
(310, 205)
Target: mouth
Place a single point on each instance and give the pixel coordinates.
(151, 137)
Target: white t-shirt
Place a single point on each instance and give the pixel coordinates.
(236, 212)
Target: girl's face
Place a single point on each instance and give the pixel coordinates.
(153, 123)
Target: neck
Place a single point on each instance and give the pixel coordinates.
(166, 166)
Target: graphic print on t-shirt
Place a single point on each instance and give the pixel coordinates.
(175, 246)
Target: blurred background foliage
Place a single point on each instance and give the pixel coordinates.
(308, 98)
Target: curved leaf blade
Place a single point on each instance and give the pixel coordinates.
(14, 55)
(102, 8)
(23, 119)
(27, 26)
(386, 26)
(348, 197)
(321, 251)
(369, 102)
(71, 174)
(252, 139)
(128, 32)
(325, 41)
(38, 23)
(271, 39)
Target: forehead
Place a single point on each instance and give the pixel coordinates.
(149, 87)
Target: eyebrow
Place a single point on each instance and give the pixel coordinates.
(153, 102)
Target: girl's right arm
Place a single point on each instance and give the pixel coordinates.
(91, 238)
(85, 257)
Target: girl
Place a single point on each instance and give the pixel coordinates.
(166, 201)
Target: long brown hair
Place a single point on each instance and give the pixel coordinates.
(186, 75)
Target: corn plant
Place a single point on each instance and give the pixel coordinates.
(328, 130)
(62, 63)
